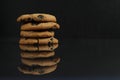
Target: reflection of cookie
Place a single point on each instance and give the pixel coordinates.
(40, 54)
(38, 41)
(41, 61)
(37, 70)
(36, 17)
(40, 26)
(38, 47)
(34, 34)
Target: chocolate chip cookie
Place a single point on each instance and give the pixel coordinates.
(40, 26)
(37, 34)
(37, 47)
(48, 41)
(38, 17)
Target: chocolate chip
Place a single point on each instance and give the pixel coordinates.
(29, 19)
(49, 44)
(52, 48)
(51, 38)
(23, 20)
(40, 17)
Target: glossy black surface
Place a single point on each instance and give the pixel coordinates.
(80, 59)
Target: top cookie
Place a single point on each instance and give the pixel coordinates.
(38, 17)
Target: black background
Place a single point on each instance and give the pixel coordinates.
(78, 18)
(89, 35)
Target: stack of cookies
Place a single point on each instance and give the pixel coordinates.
(37, 43)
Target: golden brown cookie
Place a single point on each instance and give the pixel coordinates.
(51, 40)
(36, 34)
(38, 47)
(37, 70)
(38, 17)
(40, 26)
(40, 61)
(38, 54)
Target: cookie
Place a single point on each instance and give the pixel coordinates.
(40, 61)
(40, 26)
(37, 54)
(38, 47)
(35, 41)
(36, 70)
(38, 17)
(36, 34)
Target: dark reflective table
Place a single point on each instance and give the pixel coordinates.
(81, 59)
